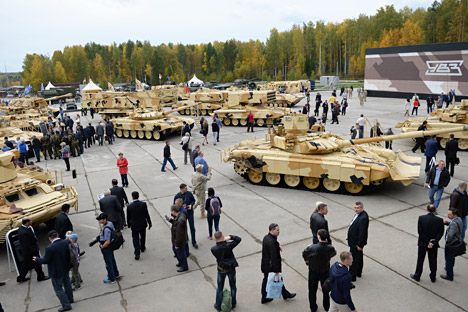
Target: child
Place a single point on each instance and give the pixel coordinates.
(76, 276)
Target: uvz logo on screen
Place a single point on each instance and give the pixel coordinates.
(444, 68)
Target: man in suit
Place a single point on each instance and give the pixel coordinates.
(138, 219)
(271, 261)
(57, 258)
(318, 221)
(437, 179)
(121, 196)
(452, 236)
(357, 239)
(110, 205)
(431, 150)
(451, 149)
(430, 230)
(29, 249)
(62, 222)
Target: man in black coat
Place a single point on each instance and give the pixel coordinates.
(57, 258)
(430, 230)
(121, 196)
(459, 201)
(317, 257)
(110, 205)
(357, 239)
(110, 131)
(87, 137)
(271, 261)
(420, 141)
(29, 249)
(451, 149)
(318, 221)
(138, 219)
(62, 222)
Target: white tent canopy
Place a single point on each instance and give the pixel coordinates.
(195, 80)
(91, 87)
(49, 86)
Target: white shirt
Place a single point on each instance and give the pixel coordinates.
(360, 121)
(355, 217)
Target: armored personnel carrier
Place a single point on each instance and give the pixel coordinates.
(323, 161)
(150, 124)
(32, 105)
(240, 103)
(30, 191)
(208, 102)
(444, 118)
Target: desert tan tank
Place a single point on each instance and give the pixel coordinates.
(13, 132)
(287, 100)
(30, 191)
(444, 118)
(292, 156)
(30, 104)
(240, 103)
(168, 95)
(150, 125)
(288, 87)
(208, 102)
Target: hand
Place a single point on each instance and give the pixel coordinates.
(209, 169)
(149, 227)
(430, 245)
(177, 248)
(281, 248)
(34, 259)
(359, 248)
(227, 238)
(427, 185)
(189, 207)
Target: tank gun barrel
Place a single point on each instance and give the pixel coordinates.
(54, 98)
(185, 106)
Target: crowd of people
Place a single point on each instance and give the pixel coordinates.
(414, 103)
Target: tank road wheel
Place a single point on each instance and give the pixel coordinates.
(226, 121)
(260, 122)
(269, 121)
(182, 112)
(235, 122)
(141, 134)
(157, 135)
(377, 182)
(292, 180)
(240, 168)
(273, 178)
(442, 142)
(311, 183)
(331, 185)
(255, 176)
(187, 111)
(126, 133)
(118, 133)
(133, 134)
(463, 144)
(204, 112)
(243, 122)
(148, 135)
(353, 188)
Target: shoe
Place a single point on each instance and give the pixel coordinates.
(182, 270)
(414, 277)
(82, 253)
(143, 249)
(137, 257)
(352, 286)
(266, 300)
(359, 275)
(353, 279)
(45, 278)
(23, 280)
(445, 277)
(216, 308)
(63, 309)
(2, 283)
(176, 168)
(178, 265)
(108, 281)
(76, 288)
(433, 279)
(163, 170)
(291, 295)
(195, 246)
(210, 237)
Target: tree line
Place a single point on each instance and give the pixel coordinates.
(304, 52)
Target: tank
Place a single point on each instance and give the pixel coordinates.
(208, 102)
(150, 125)
(30, 191)
(293, 157)
(287, 100)
(168, 94)
(13, 132)
(31, 104)
(444, 118)
(240, 103)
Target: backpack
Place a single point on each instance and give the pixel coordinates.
(73, 254)
(226, 304)
(215, 206)
(185, 146)
(117, 239)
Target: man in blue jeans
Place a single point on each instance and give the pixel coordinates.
(437, 179)
(452, 236)
(107, 253)
(179, 236)
(167, 157)
(227, 264)
(188, 203)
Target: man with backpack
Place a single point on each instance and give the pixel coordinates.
(226, 263)
(107, 249)
(199, 183)
(213, 206)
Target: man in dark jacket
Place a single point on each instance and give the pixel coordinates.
(57, 258)
(167, 157)
(317, 257)
(87, 136)
(271, 261)
(138, 219)
(431, 150)
(430, 230)
(110, 131)
(36, 145)
(62, 222)
(452, 236)
(459, 200)
(110, 205)
(420, 141)
(318, 221)
(29, 249)
(189, 202)
(179, 236)
(121, 196)
(357, 239)
(437, 179)
(100, 132)
(451, 149)
(93, 133)
(227, 264)
(340, 282)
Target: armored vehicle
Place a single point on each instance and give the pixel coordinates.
(150, 124)
(168, 94)
(323, 161)
(30, 191)
(28, 104)
(287, 100)
(444, 118)
(208, 102)
(240, 103)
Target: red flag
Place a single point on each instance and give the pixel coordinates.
(160, 76)
(187, 90)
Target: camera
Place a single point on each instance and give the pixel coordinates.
(94, 242)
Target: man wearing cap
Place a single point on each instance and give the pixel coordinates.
(107, 253)
(198, 182)
(62, 222)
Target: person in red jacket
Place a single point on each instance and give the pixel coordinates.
(122, 163)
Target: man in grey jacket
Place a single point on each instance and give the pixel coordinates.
(100, 132)
(452, 236)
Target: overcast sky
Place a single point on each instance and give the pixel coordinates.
(44, 26)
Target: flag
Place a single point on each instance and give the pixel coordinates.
(187, 90)
(42, 86)
(160, 76)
